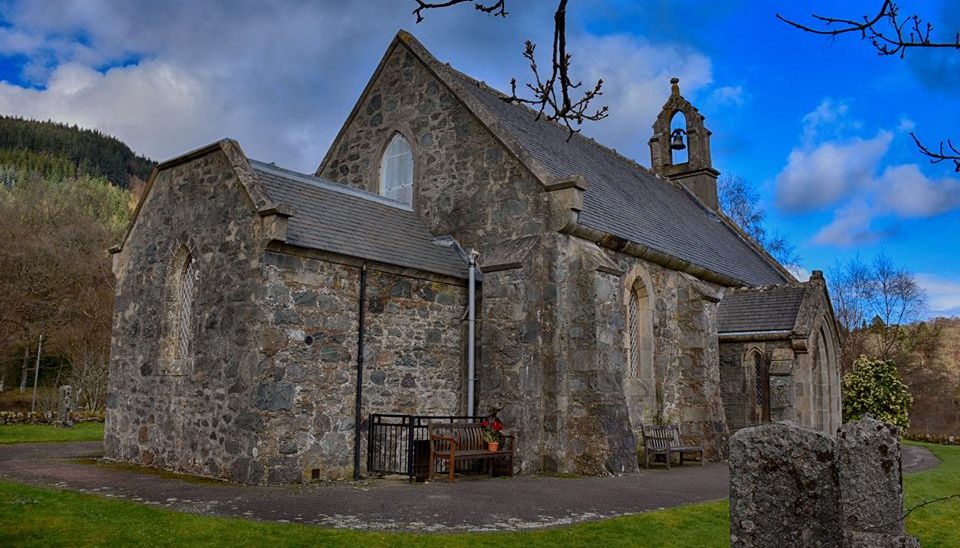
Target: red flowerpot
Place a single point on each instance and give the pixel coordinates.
(492, 446)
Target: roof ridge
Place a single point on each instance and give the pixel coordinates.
(333, 186)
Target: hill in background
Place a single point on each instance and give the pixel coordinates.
(933, 375)
(58, 151)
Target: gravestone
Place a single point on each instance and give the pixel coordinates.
(66, 407)
(783, 488)
(871, 483)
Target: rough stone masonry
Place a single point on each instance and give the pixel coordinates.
(235, 350)
(790, 486)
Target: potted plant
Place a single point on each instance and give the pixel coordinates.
(492, 429)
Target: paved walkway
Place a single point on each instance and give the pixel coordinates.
(494, 504)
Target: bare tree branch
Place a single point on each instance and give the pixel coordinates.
(889, 34)
(551, 95)
(495, 7)
(951, 153)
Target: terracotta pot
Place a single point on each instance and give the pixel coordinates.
(493, 445)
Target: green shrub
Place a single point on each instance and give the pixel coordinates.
(874, 387)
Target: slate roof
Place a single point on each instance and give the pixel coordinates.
(626, 199)
(758, 309)
(332, 217)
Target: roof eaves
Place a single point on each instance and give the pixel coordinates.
(754, 336)
(329, 185)
(616, 243)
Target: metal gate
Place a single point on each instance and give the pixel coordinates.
(397, 444)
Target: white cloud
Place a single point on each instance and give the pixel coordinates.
(829, 120)
(823, 175)
(906, 192)
(728, 95)
(799, 272)
(906, 125)
(636, 77)
(153, 106)
(828, 169)
(943, 295)
(850, 227)
(282, 76)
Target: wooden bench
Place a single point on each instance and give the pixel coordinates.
(458, 442)
(660, 439)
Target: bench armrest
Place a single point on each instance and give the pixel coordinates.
(437, 437)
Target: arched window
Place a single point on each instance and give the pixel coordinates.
(396, 170)
(186, 279)
(181, 284)
(679, 122)
(821, 384)
(761, 386)
(640, 326)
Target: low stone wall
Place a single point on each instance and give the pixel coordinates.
(45, 417)
(791, 486)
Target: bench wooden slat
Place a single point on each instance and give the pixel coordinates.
(665, 439)
(453, 442)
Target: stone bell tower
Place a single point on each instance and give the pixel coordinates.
(680, 147)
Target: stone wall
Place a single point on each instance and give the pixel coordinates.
(687, 387)
(804, 382)
(267, 394)
(512, 360)
(596, 437)
(739, 389)
(467, 183)
(193, 421)
(413, 358)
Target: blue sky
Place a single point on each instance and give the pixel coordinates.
(819, 126)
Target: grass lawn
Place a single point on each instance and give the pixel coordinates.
(32, 516)
(31, 433)
(937, 524)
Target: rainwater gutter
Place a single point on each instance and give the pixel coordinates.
(474, 275)
(358, 417)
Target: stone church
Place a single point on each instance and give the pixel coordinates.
(612, 294)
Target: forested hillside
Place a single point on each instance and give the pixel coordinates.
(66, 196)
(932, 371)
(56, 151)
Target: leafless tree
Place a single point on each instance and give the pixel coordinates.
(56, 278)
(891, 34)
(873, 302)
(740, 201)
(552, 91)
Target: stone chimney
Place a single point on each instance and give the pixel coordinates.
(680, 123)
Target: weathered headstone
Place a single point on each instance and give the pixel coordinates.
(66, 407)
(783, 488)
(871, 483)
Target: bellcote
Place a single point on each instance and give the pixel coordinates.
(680, 147)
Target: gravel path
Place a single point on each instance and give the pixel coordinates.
(480, 504)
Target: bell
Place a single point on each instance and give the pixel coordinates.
(676, 140)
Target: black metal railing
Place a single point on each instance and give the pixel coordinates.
(398, 444)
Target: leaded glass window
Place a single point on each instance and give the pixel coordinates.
(759, 377)
(184, 316)
(634, 327)
(396, 171)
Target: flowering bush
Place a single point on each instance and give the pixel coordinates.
(492, 430)
(874, 387)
